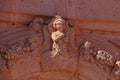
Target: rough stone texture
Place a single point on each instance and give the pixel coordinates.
(82, 43)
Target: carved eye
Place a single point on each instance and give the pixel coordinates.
(101, 52)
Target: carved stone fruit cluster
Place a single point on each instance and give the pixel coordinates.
(99, 57)
(17, 51)
(2, 64)
(104, 57)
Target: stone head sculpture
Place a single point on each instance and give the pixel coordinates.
(118, 63)
(37, 24)
(58, 23)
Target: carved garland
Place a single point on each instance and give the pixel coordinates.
(63, 45)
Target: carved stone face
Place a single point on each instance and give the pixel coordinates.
(103, 56)
(60, 25)
(87, 45)
(38, 21)
(118, 63)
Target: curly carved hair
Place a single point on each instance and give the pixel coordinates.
(51, 26)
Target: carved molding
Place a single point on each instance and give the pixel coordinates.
(60, 48)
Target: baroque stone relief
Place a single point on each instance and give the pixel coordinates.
(116, 71)
(63, 37)
(30, 46)
(101, 58)
(57, 44)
